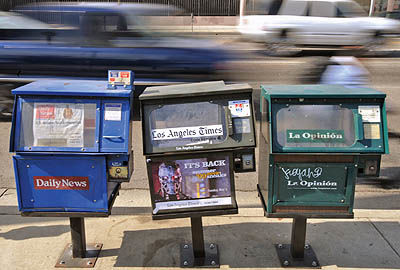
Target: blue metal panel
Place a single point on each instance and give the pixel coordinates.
(115, 126)
(61, 183)
(18, 126)
(77, 88)
(12, 133)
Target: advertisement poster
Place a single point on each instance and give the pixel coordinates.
(191, 183)
(58, 124)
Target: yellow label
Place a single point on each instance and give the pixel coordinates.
(372, 131)
(118, 172)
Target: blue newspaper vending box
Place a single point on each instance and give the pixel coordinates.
(72, 141)
(73, 145)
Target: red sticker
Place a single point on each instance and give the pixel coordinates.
(61, 182)
(124, 74)
(45, 112)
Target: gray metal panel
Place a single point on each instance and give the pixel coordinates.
(193, 89)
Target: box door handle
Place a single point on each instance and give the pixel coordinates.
(112, 137)
(359, 128)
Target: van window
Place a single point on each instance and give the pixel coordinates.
(296, 8)
(349, 9)
(322, 9)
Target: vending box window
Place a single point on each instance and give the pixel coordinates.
(72, 141)
(195, 137)
(314, 142)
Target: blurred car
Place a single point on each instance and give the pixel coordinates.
(316, 23)
(95, 38)
(104, 36)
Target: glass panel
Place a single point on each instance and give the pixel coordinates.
(350, 9)
(187, 124)
(315, 126)
(322, 9)
(51, 124)
(296, 8)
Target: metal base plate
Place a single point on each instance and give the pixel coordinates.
(309, 261)
(67, 261)
(211, 259)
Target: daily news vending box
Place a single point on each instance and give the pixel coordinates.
(314, 141)
(73, 145)
(195, 137)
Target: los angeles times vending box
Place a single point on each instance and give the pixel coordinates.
(73, 146)
(195, 137)
(314, 141)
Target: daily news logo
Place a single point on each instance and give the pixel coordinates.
(61, 182)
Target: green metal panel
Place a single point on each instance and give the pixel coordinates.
(385, 128)
(311, 184)
(319, 91)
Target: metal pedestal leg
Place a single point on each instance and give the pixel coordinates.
(199, 254)
(78, 254)
(297, 254)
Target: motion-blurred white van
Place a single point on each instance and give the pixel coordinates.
(313, 22)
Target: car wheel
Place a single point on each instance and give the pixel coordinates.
(375, 43)
(283, 45)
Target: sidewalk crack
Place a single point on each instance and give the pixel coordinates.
(4, 192)
(384, 237)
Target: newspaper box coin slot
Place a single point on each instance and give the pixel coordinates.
(314, 141)
(72, 141)
(195, 137)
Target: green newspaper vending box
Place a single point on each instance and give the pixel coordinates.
(314, 142)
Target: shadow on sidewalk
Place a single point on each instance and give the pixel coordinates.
(251, 245)
(30, 232)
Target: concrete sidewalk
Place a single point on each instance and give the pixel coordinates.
(133, 240)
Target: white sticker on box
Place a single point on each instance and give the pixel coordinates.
(371, 114)
(113, 112)
(239, 108)
(186, 132)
